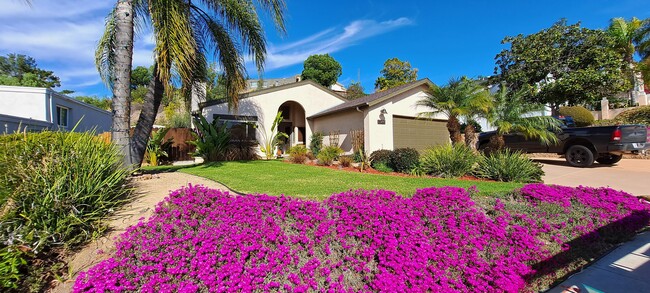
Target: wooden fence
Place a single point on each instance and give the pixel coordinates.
(180, 150)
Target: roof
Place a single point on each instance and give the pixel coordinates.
(373, 99)
(275, 89)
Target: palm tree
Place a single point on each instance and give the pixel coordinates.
(461, 97)
(184, 32)
(511, 114)
(631, 37)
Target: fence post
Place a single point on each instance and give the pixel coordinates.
(604, 109)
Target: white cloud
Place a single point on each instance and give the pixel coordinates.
(329, 41)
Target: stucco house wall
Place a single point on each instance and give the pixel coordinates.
(343, 122)
(38, 107)
(265, 104)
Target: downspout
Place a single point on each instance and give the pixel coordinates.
(48, 96)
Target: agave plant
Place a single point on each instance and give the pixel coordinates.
(211, 139)
(156, 147)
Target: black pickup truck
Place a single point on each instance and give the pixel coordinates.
(583, 145)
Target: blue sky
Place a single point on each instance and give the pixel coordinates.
(440, 39)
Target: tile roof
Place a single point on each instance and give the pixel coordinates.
(375, 97)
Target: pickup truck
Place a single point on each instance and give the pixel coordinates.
(581, 146)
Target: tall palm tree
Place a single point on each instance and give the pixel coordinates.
(511, 114)
(461, 97)
(184, 32)
(631, 36)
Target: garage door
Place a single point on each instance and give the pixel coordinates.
(418, 133)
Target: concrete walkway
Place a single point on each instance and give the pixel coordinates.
(626, 269)
(630, 175)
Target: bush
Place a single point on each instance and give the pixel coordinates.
(580, 114)
(211, 139)
(56, 188)
(316, 143)
(380, 156)
(404, 160)
(509, 166)
(298, 154)
(328, 154)
(383, 167)
(311, 156)
(639, 115)
(345, 161)
(448, 160)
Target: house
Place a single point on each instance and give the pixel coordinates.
(387, 118)
(37, 109)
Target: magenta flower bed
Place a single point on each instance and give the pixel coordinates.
(358, 241)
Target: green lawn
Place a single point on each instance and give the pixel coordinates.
(276, 177)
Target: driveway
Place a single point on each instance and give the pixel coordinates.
(630, 175)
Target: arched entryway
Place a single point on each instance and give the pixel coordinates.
(293, 124)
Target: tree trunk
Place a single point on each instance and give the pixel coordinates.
(471, 138)
(453, 126)
(142, 131)
(122, 79)
(497, 142)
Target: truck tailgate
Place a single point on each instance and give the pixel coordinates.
(633, 133)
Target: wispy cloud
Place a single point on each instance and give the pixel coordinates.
(62, 37)
(329, 41)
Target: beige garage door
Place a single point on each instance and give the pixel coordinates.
(418, 133)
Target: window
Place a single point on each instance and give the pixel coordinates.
(62, 114)
(253, 85)
(242, 128)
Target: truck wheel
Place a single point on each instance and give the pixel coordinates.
(609, 159)
(579, 156)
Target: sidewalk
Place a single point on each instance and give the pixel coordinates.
(626, 269)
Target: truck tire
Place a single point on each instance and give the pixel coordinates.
(609, 159)
(579, 156)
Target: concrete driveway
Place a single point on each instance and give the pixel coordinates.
(630, 175)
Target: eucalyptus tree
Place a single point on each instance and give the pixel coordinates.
(185, 32)
(461, 97)
(511, 113)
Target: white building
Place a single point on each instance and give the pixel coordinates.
(36, 109)
(387, 118)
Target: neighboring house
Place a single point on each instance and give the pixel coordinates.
(387, 118)
(37, 109)
(257, 84)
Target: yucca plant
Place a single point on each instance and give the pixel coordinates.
(273, 139)
(156, 147)
(57, 189)
(211, 139)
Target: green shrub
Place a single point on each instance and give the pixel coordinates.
(404, 160)
(316, 143)
(298, 154)
(380, 156)
(357, 157)
(383, 167)
(156, 147)
(509, 166)
(345, 161)
(328, 154)
(605, 122)
(57, 188)
(211, 139)
(448, 161)
(639, 115)
(580, 114)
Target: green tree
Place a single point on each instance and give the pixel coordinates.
(140, 76)
(102, 103)
(22, 70)
(395, 73)
(354, 91)
(322, 69)
(511, 114)
(461, 97)
(184, 31)
(628, 36)
(562, 64)
(215, 84)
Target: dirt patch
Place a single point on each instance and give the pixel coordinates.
(149, 191)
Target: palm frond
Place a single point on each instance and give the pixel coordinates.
(105, 54)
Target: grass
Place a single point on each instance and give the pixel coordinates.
(276, 177)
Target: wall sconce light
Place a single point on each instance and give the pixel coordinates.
(383, 111)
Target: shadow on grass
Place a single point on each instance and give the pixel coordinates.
(591, 247)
